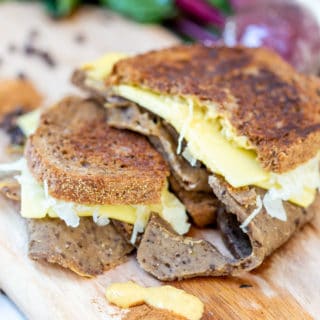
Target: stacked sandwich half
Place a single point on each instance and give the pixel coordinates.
(218, 138)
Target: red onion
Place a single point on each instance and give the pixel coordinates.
(194, 31)
(202, 11)
(239, 5)
(287, 28)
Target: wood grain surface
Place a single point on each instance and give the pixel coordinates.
(287, 286)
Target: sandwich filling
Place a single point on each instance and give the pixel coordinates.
(37, 203)
(211, 139)
(215, 144)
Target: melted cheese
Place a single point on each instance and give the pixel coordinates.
(36, 203)
(213, 142)
(28, 122)
(205, 141)
(100, 69)
(130, 294)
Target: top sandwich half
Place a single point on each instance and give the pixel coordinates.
(244, 113)
(75, 165)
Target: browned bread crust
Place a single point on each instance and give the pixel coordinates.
(263, 97)
(85, 161)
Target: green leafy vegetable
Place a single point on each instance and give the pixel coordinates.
(143, 10)
(223, 5)
(61, 8)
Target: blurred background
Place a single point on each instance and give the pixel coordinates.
(41, 42)
(288, 26)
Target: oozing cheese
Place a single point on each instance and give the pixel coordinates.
(28, 122)
(220, 151)
(99, 69)
(205, 141)
(130, 294)
(36, 203)
(211, 139)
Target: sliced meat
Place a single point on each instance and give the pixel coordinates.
(266, 234)
(235, 239)
(169, 256)
(132, 117)
(125, 229)
(87, 250)
(189, 183)
(78, 78)
(201, 206)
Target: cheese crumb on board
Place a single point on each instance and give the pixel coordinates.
(131, 294)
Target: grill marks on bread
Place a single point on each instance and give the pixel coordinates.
(83, 160)
(190, 184)
(262, 96)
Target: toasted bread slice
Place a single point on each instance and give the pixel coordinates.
(85, 161)
(263, 98)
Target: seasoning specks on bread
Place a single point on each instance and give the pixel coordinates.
(85, 161)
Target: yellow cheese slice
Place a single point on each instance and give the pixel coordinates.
(207, 143)
(100, 69)
(37, 204)
(28, 122)
(130, 294)
(211, 138)
(34, 202)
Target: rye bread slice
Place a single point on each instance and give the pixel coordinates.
(83, 160)
(261, 95)
(88, 250)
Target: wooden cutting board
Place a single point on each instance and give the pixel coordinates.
(287, 286)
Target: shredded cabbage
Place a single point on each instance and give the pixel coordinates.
(185, 126)
(274, 206)
(142, 218)
(66, 211)
(43, 202)
(36, 202)
(173, 211)
(100, 220)
(18, 165)
(189, 157)
(257, 210)
(291, 185)
(29, 122)
(293, 182)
